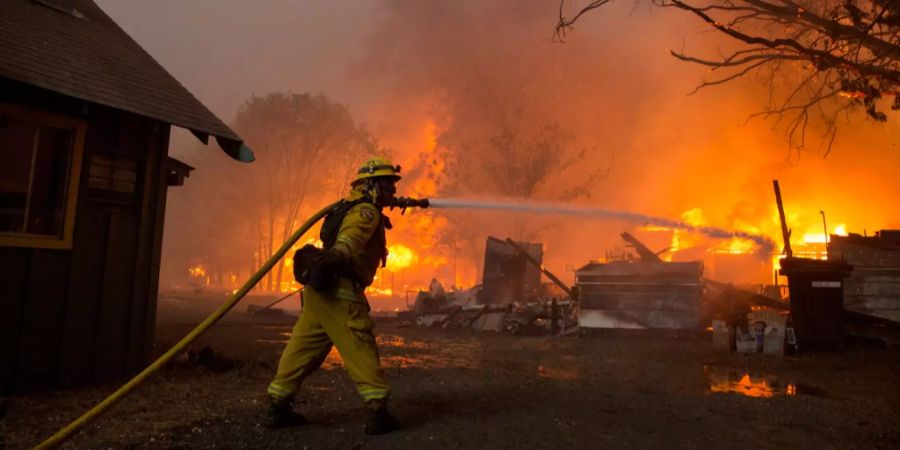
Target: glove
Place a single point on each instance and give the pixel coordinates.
(331, 260)
(324, 274)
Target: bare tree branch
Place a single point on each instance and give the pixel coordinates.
(851, 48)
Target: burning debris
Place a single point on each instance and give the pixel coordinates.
(648, 291)
(512, 299)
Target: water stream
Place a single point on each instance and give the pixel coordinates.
(765, 244)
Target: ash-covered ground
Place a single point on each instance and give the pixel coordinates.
(480, 390)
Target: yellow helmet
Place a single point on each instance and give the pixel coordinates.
(377, 167)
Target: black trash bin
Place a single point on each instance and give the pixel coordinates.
(817, 301)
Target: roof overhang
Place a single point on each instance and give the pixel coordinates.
(89, 57)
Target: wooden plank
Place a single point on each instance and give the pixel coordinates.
(876, 289)
(152, 179)
(872, 302)
(156, 256)
(42, 321)
(77, 358)
(150, 324)
(13, 280)
(115, 299)
(861, 254)
(886, 318)
(652, 269)
(641, 302)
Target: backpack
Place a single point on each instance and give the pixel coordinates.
(305, 259)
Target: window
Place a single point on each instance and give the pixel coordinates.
(40, 157)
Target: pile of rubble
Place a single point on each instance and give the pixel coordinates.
(460, 310)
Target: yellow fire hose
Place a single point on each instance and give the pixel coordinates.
(65, 433)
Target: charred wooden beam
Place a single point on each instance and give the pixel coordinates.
(784, 228)
(642, 250)
(541, 267)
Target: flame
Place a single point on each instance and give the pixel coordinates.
(416, 253)
(376, 291)
(400, 257)
(735, 246)
(821, 238)
(811, 244)
(693, 217)
(814, 238)
(197, 271)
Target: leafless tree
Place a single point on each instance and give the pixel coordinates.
(306, 145)
(839, 54)
(516, 158)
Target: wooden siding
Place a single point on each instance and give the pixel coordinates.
(873, 287)
(874, 291)
(73, 317)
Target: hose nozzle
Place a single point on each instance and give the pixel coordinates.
(406, 202)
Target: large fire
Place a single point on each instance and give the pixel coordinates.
(400, 257)
(811, 243)
(418, 252)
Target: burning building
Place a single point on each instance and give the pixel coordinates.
(85, 115)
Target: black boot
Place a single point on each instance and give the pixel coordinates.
(380, 420)
(281, 414)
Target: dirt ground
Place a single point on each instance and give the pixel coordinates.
(482, 390)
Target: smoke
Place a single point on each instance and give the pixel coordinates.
(479, 70)
(444, 84)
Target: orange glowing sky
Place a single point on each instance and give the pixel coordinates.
(413, 70)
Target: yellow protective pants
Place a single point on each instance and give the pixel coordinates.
(325, 321)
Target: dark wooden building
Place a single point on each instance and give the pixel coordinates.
(85, 115)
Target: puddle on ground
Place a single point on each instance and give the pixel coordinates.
(754, 385)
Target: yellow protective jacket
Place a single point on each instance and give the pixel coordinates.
(361, 238)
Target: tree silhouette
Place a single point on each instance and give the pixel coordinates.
(305, 145)
(839, 54)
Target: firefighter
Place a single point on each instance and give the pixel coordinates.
(335, 309)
